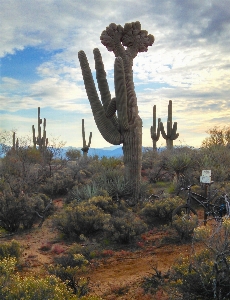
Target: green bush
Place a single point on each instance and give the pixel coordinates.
(10, 249)
(58, 184)
(123, 227)
(105, 203)
(161, 209)
(70, 271)
(20, 211)
(89, 250)
(185, 225)
(14, 287)
(205, 274)
(83, 218)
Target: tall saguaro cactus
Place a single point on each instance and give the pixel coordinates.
(85, 148)
(117, 118)
(155, 131)
(171, 134)
(40, 140)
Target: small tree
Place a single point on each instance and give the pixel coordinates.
(217, 137)
(73, 154)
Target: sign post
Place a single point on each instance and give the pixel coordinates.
(205, 178)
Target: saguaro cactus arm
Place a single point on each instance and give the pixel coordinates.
(171, 131)
(105, 125)
(155, 131)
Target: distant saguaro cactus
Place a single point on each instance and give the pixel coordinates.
(15, 142)
(117, 118)
(85, 148)
(171, 134)
(155, 131)
(40, 140)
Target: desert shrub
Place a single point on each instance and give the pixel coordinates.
(146, 190)
(185, 225)
(70, 270)
(105, 203)
(83, 218)
(154, 282)
(20, 211)
(7, 268)
(84, 192)
(73, 154)
(217, 159)
(161, 209)
(13, 286)
(87, 250)
(205, 274)
(123, 227)
(114, 183)
(58, 184)
(10, 249)
(119, 189)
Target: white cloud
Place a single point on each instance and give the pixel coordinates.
(190, 57)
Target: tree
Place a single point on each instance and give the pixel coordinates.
(117, 118)
(218, 136)
(73, 154)
(6, 141)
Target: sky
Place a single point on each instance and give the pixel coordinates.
(189, 63)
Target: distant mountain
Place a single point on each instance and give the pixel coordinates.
(117, 152)
(113, 151)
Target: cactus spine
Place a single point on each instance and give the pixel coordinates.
(85, 148)
(171, 134)
(40, 140)
(117, 118)
(155, 132)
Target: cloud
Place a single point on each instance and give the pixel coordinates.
(188, 63)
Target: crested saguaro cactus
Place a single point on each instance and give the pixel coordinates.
(40, 140)
(85, 148)
(171, 134)
(155, 131)
(117, 118)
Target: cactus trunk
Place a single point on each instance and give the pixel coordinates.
(85, 147)
(132, 150)
(155, 131)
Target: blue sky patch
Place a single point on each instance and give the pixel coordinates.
(23, 64)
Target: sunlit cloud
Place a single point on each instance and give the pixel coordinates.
(189, 63)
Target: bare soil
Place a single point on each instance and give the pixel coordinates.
(118, 276)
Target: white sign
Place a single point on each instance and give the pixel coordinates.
(205, 179)
(206, 173)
